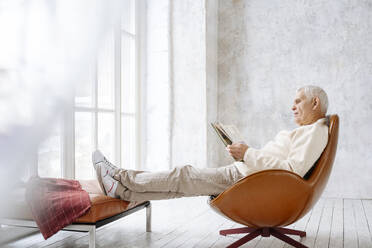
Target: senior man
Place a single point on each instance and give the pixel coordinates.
(295, 150)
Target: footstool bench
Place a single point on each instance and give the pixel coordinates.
(104, 210)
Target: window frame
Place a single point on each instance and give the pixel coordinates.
(67, 138)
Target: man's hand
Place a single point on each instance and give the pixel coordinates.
(237, 150)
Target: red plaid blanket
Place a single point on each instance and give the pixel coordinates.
(55, 203)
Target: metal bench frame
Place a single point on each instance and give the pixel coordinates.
(87, 227)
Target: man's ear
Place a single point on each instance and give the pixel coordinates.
(315, 102)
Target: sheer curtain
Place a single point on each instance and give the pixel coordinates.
(181, 84)
(46, 47)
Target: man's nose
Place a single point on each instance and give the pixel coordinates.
(293, 107)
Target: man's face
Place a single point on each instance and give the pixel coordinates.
(302, 108)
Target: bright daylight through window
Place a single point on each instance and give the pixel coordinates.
(105, 109)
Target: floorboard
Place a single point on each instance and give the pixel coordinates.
(190, 222)
(313, 224)
(299, 225)
(336, 239)
(364, 237)
(350, 232)
(367, 207)
(324, 230)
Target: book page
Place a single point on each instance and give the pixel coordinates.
(221, 133)
(222, 129)
(228, 134)
(233, 132)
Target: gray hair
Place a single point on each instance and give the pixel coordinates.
(311, 91)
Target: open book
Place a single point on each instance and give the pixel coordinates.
(228, 133)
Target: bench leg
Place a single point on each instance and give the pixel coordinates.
(92, 237)
(148, 218)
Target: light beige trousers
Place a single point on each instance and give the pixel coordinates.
(178, 182)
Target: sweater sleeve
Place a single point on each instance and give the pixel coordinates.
(307, 144)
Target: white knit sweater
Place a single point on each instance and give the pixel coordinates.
(295, 150)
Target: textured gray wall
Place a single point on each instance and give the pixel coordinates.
(268, 48)
(213, 142)
(188, 136)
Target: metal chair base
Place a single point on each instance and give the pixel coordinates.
(278, 232)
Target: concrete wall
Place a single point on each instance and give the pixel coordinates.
(189, 85)
(268, 48)
(194, 43)
(213, 142)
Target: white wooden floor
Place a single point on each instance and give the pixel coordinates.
(190, 222)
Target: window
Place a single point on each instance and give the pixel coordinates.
(49, 159)
(95, 109)
(105, 110)
(129, 92)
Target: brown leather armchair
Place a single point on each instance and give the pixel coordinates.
(268, 200)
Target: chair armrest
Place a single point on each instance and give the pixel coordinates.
(268, 197)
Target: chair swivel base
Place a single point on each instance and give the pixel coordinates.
(278, 232)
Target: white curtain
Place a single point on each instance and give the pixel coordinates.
(45, 48)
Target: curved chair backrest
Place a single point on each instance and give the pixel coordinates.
(320, 175)
(278, 197)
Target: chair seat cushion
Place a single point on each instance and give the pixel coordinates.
(102, 206)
